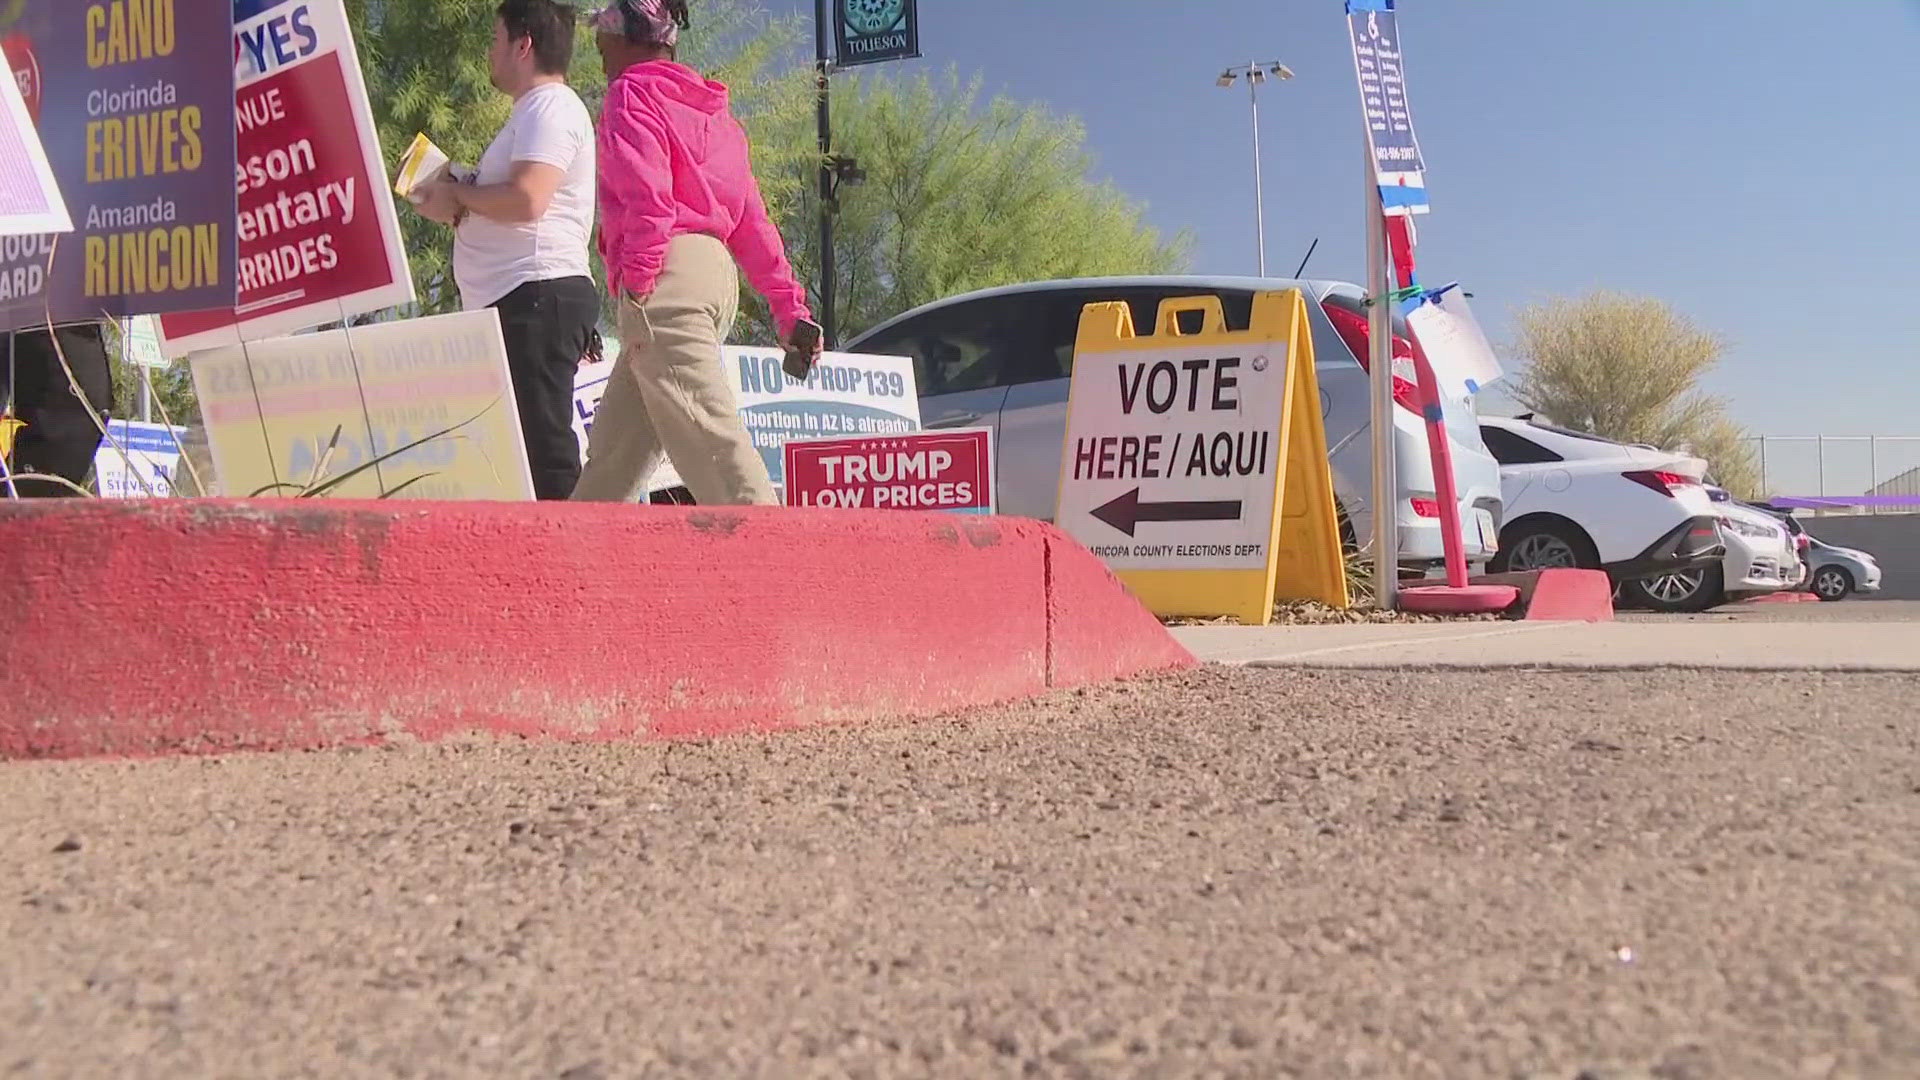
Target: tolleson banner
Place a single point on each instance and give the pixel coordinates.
(874, 31)
(134, 104)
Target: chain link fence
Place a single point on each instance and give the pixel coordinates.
(1841, 474)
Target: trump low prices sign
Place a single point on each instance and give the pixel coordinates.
(949, 470)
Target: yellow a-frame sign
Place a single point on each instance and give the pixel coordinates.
(1196, 464)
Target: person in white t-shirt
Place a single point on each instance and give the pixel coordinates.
(523, 227)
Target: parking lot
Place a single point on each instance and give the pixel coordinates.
(1240, 872)
(1846, 611)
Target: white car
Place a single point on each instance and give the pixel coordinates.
(1762, 557)
(1577, 501)
(1003, 358)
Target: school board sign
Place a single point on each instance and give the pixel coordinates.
(134, 105)
(271, 407)
(847, 394)
(319, 237)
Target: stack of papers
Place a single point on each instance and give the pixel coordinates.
(422, 164)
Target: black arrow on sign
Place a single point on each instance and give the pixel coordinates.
(1127, 511)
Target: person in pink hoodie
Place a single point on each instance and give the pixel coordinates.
(680, 217)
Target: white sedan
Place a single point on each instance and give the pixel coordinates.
(1577, 501)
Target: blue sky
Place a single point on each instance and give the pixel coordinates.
(1750, 161)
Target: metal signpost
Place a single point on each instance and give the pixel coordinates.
(1395, 184)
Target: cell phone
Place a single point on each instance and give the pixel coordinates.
(806, 335)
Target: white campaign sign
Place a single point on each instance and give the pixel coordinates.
(142, 342)
(137, 460)
(1171, 453)
(848, 394)
(1456, 347)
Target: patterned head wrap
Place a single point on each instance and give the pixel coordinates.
(639, 21)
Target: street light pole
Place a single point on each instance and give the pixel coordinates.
(823, 59)
(1259, 188)
(1257, 73)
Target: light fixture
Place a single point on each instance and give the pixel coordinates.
(1282, 71)
(1227, 78)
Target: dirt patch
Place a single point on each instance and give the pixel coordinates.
(1226, 874)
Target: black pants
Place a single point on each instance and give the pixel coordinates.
(60, 438)
(549, 326)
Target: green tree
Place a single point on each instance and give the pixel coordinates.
(1629, 368)
(962, 194)
(425, 63)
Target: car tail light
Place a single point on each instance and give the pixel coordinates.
(1357, 335)
(1666, 483)
(1426, 508)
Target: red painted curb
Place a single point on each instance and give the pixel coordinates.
(1559, 595)
(202, 626)
(1782, 598)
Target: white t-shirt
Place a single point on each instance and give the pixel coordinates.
(549, 125)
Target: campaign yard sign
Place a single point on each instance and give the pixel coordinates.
(136, 460)
(30, 201)
(846, 394)
(319, 236)
(271, 407)
(949, 470)
(133, 100)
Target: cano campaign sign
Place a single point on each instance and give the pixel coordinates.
(949, 470)
(134, 103)
(847, 394)
(319, 237)
(30, 202)
(271, 409)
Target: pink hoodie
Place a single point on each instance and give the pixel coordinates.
(674, 161)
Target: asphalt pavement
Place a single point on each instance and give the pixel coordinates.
(1235, 873)
(1856, 610)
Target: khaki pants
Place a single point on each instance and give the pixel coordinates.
(669, 393)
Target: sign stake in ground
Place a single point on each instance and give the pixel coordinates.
(1196, 463)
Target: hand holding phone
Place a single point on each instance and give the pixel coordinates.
(803, 348)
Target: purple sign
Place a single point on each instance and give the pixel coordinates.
(1833, 502)
(134, 103)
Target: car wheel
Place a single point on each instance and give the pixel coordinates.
(1683, 591)
(1832, 583)
(1544, 545)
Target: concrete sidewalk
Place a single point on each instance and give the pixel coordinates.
(1580, 646)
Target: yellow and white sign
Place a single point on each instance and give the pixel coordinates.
(1196, 464)
(271, 408)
